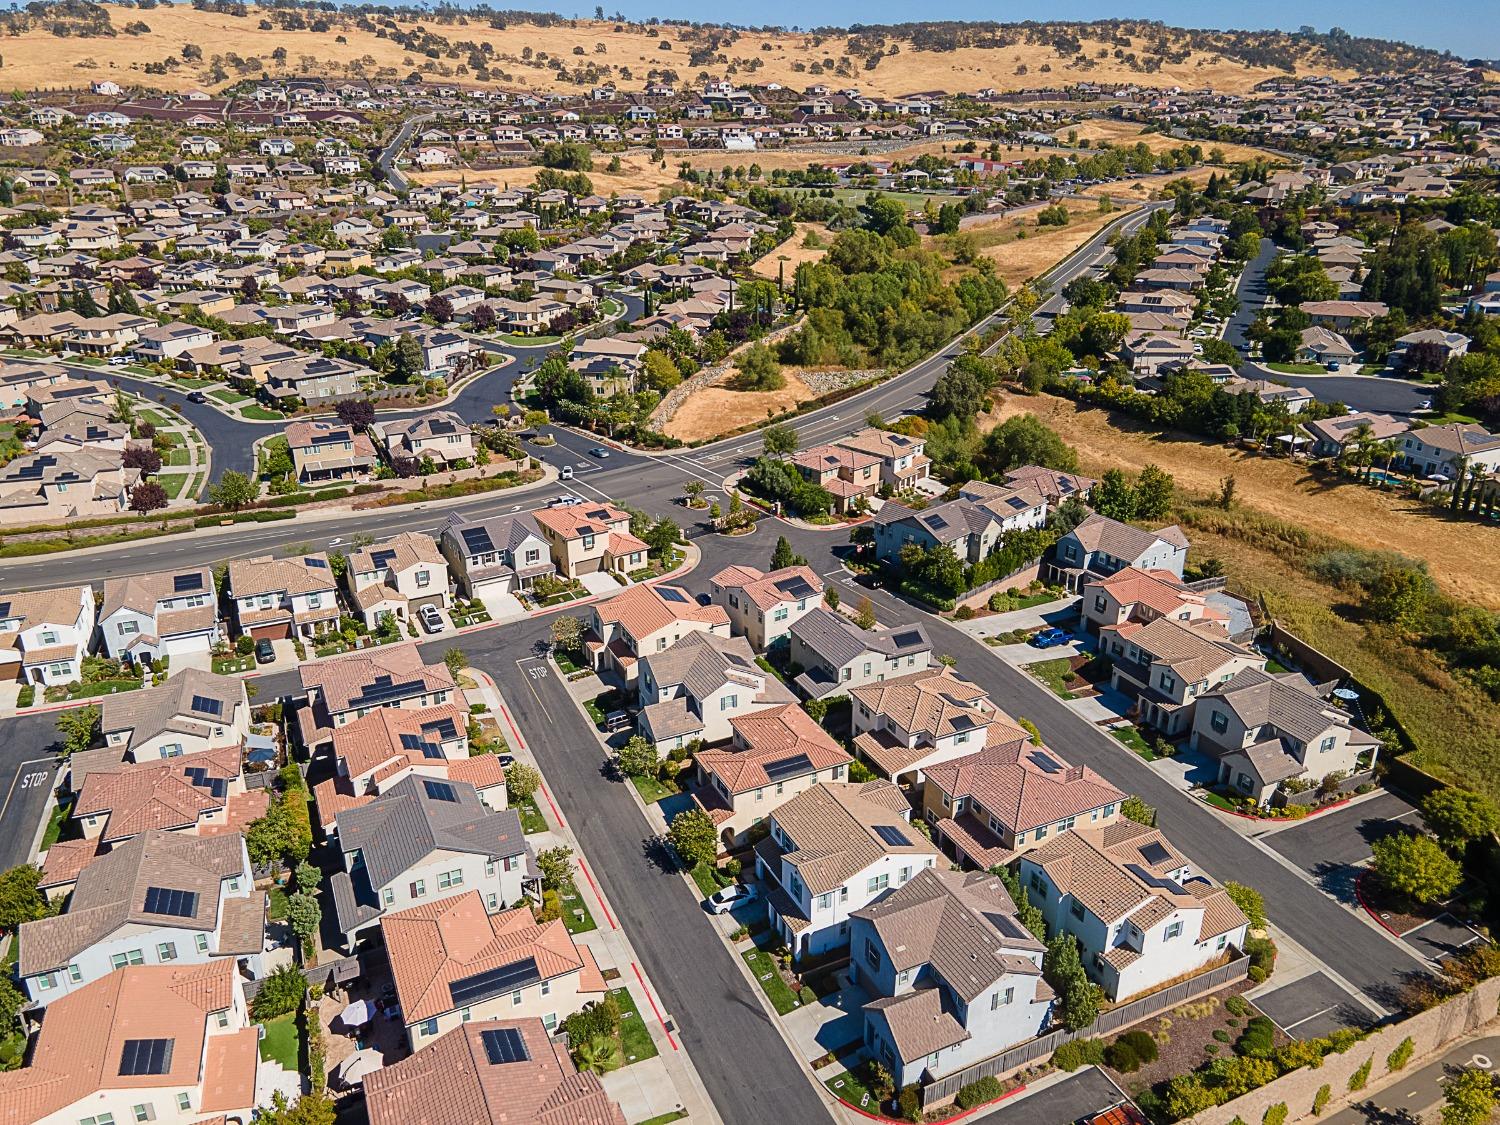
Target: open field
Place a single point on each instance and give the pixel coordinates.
(793, 253)
(1459, 554)
(590, 51)
(1123, 134)
(716, 410)
(1018, 258)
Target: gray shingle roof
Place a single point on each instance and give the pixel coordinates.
(838, 640)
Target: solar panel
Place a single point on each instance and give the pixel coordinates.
(504, 1045)
(1046, 763)
(439, 790)
(937, 521)
(668, 594)
(493, 982)
(477, 540)
(443, 728)
(4, 609)
(381, 558)
(788, 767)
(172, 903)
(315, 564)
(908, 638)
(146, 1056)
(892, 835)
(206, 706)
(383, 689)
(185, 583)
(1154, 854)
(797, 587)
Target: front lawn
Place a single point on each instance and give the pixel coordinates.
(763, 966)
(58, 693)
(55, 824)
(229, 395)
(635, 1036)
(1297, 368)
(849, 1087)
(565, 662)
(653, 789)
(1055, 674)
(602, 704)
(575, 912)
(174, 483)
(1132, 738)
(228, 665)
(531, 816)
(280, 1043)
(709, 879)
(257, 413)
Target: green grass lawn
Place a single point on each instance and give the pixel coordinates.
(575, 912)
(531, 816)
(281, 1042)
(1026, 601)
(707, 879)
(1132, 738)
(175, 484)
(782, 998)
(848, 1087)
(228, 665)
(229, 395)
(1051, 673)
(55, 824)
(276, 908)
(665, 1118)
(635, 1037)
(257, 413)
(565, 662)
(652, 789)
(1219, 801)
(191, 383)
(155, 417)
(179, 456)
(12, 954)
(1275, 667)
(1297, 368)
(93, 691)
(602, 704)
(1449, 419)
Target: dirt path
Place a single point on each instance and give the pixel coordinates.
(1460, 554)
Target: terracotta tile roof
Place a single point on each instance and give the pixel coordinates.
(768, 590)
(832, 830)
(160, 794)
(229, 1068)
(342, 683)
(933, 703)
(453, 1082)
(79, 1048)
(1161, 591)
(268, 575)
(623, 543)
(435, 944)
(577, 520)
(882, 443)
(768, 737)
(643, 610)
(1023, 786)
(66, 859)
(367, 743)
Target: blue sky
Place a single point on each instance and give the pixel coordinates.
(1458, 27)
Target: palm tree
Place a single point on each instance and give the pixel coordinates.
(598, 1055)
(1388, 450)
(1458, 481)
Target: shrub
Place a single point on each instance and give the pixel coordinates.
(1320, 1099)
(1275, 1115)
(1142, 1043)
(1122, 1057)
(280, 993)
(1262, 952)
(1398, 1058)
(1237, 1006)
(1078, 1052)
(1258, 1040)
(1221, 1035)
(244, 645)
(987, 1089)
(1358, 1079)
(909, 1103)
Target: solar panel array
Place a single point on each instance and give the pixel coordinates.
(146, 1056)
(204, 705)
(795, 587)
(470, 990)
(904, 640)
(439, 790)
(383, 688)
(381, 558)
(1046, 763)
(504, 1045)
(937, 521)
(668, 594)
(186, 583)
(1154, 854)
(477, 540)
(443, 728)
(171, 903)
(788, 767)
(892, 835)
(315, 564)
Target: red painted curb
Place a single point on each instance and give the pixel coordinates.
(1363, 902)
(955, 1117)
(1319, 811)
(551, 804)
(650, 999)
(584, 867)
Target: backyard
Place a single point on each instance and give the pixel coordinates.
(280, 1043)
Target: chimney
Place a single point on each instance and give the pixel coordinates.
(1074, 773)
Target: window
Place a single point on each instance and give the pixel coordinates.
(1173, 931)
(418, 888)
(172, 750)
(878, 883)
(314, 601)
(824, 901)
(905, 874)
(872, 955)
(387, 896)
(546, 988)
(549, 1021)
(450, 879)
(1038, 884)
(132, 957)
(221, 1019)
(1075, 908)
(867, 667)
(588, 542)
(780, 614)
(166, 951)
(465, 1015)
(1219, 721)
(1327, 744)
(532, 556)
(46, 982)
(98, 1119)
(129, 628)
(491, 903)
(515, 998)
(184, 1102)
(1168, 682)
(960, 738)
(50, 637)
(1099, 603)
(1002, 996)
(144, 1112)
(428, 1027)
(424, 577)
(1222, 942)
(728, 702)
(75, 974)
(234, 885)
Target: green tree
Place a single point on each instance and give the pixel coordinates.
(1133, 808)
(279, 993)
(20, 900)
(1459, 816)
(659, 371)
(78, 726)
(693, 836)
(308, 877)
(12, 1000)
(1399, 596)
(309, 1109)
(1250, 902)
(1414, 865)
(864, 613)
(1153, 494)
(779, 440)
(304, 914)
(759, 370)
(521, 781)
(1469, 1098)
(233, 491)
(566, 633)
(1025, 440)
(556, 867)
(1113, 496)
(406, 359)
(637, 758)
(661, 536)
(884, 214)
(456, 660)
(784, 556)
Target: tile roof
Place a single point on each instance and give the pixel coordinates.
(170, 707)
(882, 443)
(1159, 590)
(765, 738)
(1023, 786)
(59, 606)
(932, 704)
(577, 520)
(452, 1082)
(409, 549)
(172, 793)
(918, 1022)
(768, 590)
(643, 610)
(838, 640)
(267, 575)
(368, 743)
(832, 830)
(142, 592)
(342, 683)
(705, 662)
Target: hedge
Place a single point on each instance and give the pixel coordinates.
(987, 1089)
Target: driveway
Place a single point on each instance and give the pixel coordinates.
(1085, 1094)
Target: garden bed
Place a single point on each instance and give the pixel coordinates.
(1395, 913)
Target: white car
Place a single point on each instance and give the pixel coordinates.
(432, 620)
(736, 894)
(564, 501)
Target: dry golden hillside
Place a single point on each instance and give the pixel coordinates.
(574, 55)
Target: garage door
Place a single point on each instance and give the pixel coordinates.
(431, 599)
(279, 632)
(11, 670)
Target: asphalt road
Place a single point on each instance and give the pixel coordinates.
(28, 758)
(1251, 290)
(1402, 1101)
(1378, 393)
(1084, 1094)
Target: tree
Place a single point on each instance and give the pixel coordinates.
(1026, 440)
(148, 496)
(783, 556)
(759, 370)
(308, 877)
(1399, 596)
(309, 1109)
(864, 613)
(142, 457)
(884, 214)
(1250, 902)
(304, 914)
(556, 867)
(233, 491)
(439, 308)
(521, 781)
(1133, 808)
(1459, 816)
(661, 536)
(1469, 1098)
(78, 727)
(1113, 496)
(1153, 494)
(1414, 866)
(694, 837)
(356, 412)
(12, 1000)
(566, 633)
(279, 993)
(660, 372)
(406, 359)
(637, 758)
(20, 901)
(779, 440)
(457, 661)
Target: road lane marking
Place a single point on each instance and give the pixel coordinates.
(16, 781)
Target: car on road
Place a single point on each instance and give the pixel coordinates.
(566, 473)
(432, 620)
(265, 651)
(197, 396)
(599, 451)
(1051, 638)
(736, 894)
(1425, 404)
(563, 501)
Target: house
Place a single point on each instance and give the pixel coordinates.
(314, 380)
(1140, 595)
(45, 634)
(1340, 315)
(453, 963)
(1450, 451)
(1141, 914)
(158, 343)
(832, 849)
(907, 724)
(956, 977)
(440, 437)
(902, 460)
(166, 613)
(849, 475)
(696, 687)
(1055, 486)
(490, 1072)
(775, 754)
(1323, 345)
(1099, 546)
(160, 898)
(343, 690)
(397, 577)
(192, 712)
(1439, 346)
(1268, 730)
(282, 598)
(166, 1043)
(426, 839)
(188, 794)
(988, 807)
(1166, 664)
(763, 607)
(836, 655)
(66, 485)
(1295, 399)
(589, 538)
(1332, 436)
(973, 526)
(329, 451)
(1151, 353)
(643, 620)
(496, 555)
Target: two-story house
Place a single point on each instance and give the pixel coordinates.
(1099, 546)
(324, 450)
(694, 688)
(279, 598)
(496, 555)
(397, 577)
(1267, 729)
(837, 656)
(1140, 913)
(314, 380)
(762, 606)
(642, 620)
(171, 613)
(988, 807)
(956, 977)
(171, 1044)
(160, 898)
(903, 460)
(441, 437)
(589, 538)
(907, 724)
(454, 962)
(426, 839)
(972, 526)
(350, 687)
(849, 475)
(45, 634)
(1166, 664)
(193, 794)
(775, 755)
(65, 485)
(192, 712)
(832, 849)
(1450, 451)
(1139, 595)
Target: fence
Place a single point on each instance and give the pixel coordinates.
(1313, 796)
(943, 1090)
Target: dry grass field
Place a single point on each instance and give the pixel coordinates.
(32, 59)
(717, 410)
(1124, 134)
(791, 253)
(1020, 249)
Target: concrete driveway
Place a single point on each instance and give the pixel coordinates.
(832, 1024)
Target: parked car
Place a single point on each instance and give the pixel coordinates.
(431, 619)
(1051, 638)
(197, 396)
(736, 894)
(265, 652)
(599, 451)
(118, 360)
(507, 760)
